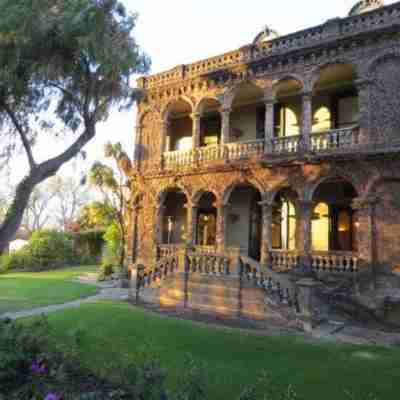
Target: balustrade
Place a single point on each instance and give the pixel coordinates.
(335, 139)
(334, 262)
(167, 250)
(282, 260)
(163, 268)
(286, 144)
(209, 264)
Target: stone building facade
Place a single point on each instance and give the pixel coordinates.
(284, 152)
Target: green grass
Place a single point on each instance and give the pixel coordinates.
(26, 290)
(232, 359)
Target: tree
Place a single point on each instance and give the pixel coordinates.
(69, 196)
(37, 212)
(97, 215)
(64, 64)
(114, 187)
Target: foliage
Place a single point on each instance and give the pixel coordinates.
(113, 186)
(64, 66)
(106, 270)
(88, 244)
(97, 215)
(45, 249)
(112, 237)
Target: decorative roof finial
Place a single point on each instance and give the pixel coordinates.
(266, 35)
(365, 6)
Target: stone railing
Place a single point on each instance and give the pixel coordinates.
(331, 30)
(332, 261)
(167, 250)
(343, 139)
(204, 249)
(285, 145)
(277, 290)
(209, 154)
(282, 260)
(209, 264)
(164, 268)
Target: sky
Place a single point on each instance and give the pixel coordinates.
(176, 32)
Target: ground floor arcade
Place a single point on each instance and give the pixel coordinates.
(315, 215)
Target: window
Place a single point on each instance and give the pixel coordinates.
(287, 121)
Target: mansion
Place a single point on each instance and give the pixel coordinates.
(281, 157)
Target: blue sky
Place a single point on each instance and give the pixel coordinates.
(177, 32)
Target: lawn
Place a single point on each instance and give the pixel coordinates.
(24, 290)
(232, 359)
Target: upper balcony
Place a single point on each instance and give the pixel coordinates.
(287, 125)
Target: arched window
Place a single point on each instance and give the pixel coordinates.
(284, 225)
(320, 228)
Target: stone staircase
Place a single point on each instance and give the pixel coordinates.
(225, 284)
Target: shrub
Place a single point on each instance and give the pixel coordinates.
(112, 237)
(45, 249)
(106, 270)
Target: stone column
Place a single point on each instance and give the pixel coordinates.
(138, 139)
(266, 241)
(225, 126)
(196, 118)
(191, 224)
(303, 231)
(366, 235)
(221, 216)
(306, 121)
(269, 125)
(164, 140)
(363, 88)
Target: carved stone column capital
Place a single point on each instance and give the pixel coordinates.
(364, 203)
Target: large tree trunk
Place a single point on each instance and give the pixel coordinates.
(37, 175)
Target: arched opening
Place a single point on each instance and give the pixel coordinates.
(333, 225)
(180, 126)
(210, 122)
(287, 118)
(335, 100)
(174, 218)
(284, 221)
(247, 119)
(206, 220)
(244, 220)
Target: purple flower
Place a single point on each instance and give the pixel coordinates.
(53, 396)
(38, 368)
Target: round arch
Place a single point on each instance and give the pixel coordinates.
(285, 79)
(237, 183)
(210, 102)
(344, 68)
(313, 186)
(166, 111)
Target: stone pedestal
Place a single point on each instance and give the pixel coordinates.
(306, 293)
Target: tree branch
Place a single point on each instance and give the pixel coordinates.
(22, 134)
